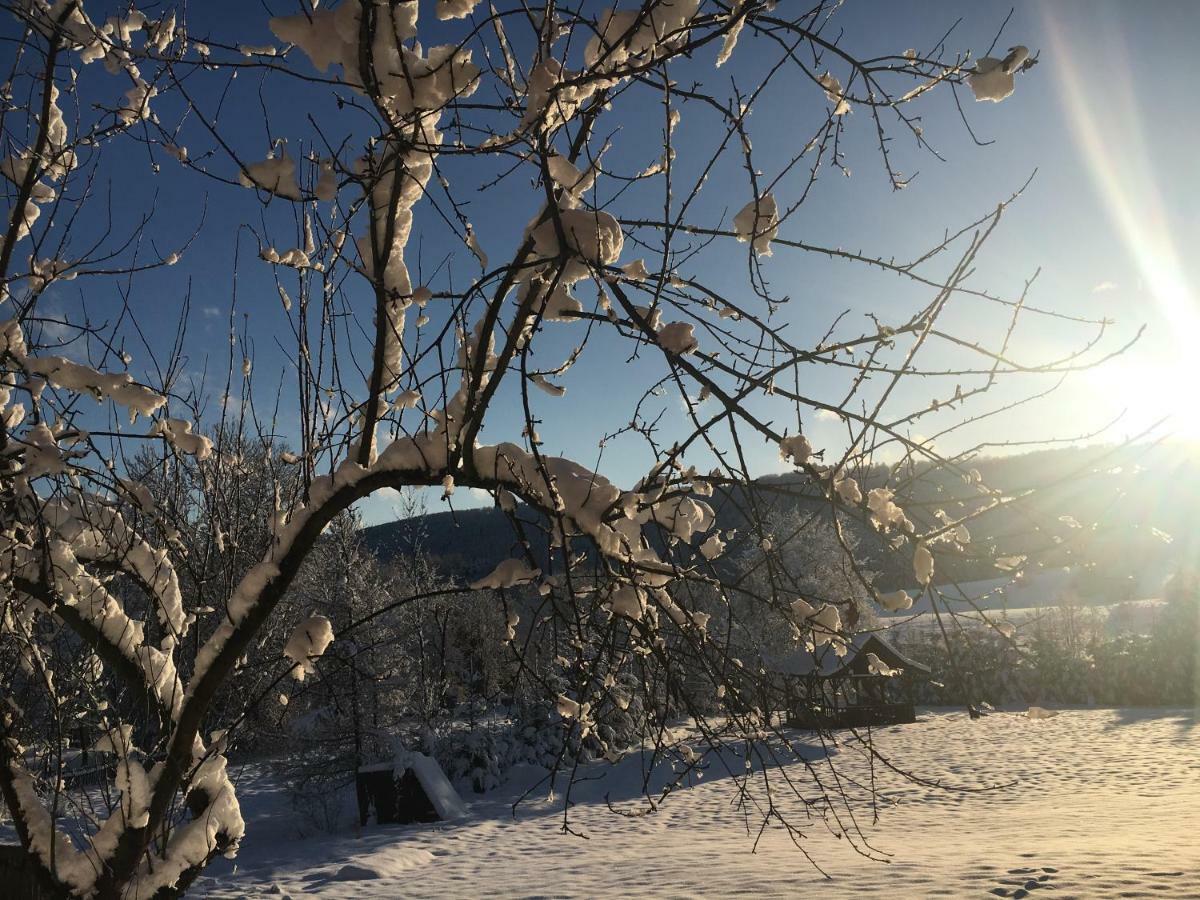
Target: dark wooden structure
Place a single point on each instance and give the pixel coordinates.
(391, 797)
(22, 877)
(410, 788)
(823, 690)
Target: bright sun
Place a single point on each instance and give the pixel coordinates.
(1160, 383)
(1149, 392)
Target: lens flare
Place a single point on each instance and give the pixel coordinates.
(1098, 90)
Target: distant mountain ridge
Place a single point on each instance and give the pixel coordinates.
(1113, 513)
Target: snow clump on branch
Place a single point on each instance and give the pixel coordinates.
(508, 573)
(275, 175)
(308, 643)
(818, 627)
(795, 448)
(758, 221)
(677, 338)
(896, 601)
(877, 666)
(835, 94)
(994, 79)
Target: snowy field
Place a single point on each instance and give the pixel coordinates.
(1102, 803)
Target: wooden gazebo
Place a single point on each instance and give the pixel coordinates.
(819, 689)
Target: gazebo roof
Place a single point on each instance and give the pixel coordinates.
(825, 663)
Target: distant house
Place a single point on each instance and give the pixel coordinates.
(823, 690)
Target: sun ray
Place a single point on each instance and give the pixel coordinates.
(1114, 149)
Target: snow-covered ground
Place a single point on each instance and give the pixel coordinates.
(1127, 617)
(1101, 803)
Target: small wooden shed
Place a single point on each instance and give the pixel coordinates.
(819, 689)
(410, 788)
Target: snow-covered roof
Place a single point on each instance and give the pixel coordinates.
(825, 663)
(441, 793)
(437, 786)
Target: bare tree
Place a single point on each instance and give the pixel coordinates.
(629, 255)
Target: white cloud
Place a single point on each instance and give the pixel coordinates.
(382, 506)
(1104, 287)
(828, 415)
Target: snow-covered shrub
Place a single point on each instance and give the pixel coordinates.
(538, 736)
(320, 791)
(1069, 655)
(622, 722)
(1177, 640)
(479, 756)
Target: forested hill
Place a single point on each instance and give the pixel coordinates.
(1110, 513)
(467, 543)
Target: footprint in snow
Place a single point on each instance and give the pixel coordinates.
(1027, 880)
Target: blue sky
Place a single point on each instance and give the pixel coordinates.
(1105, 119)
